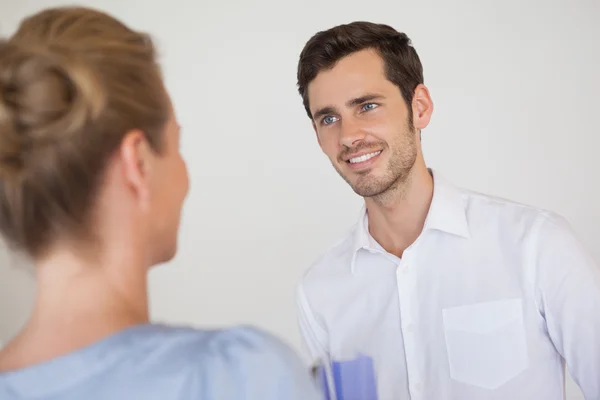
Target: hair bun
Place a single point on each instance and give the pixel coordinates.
(46, 96)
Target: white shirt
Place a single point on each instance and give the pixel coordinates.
(487, 303)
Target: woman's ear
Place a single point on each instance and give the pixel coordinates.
(135, 156)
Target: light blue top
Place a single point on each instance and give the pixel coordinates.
(155, 362)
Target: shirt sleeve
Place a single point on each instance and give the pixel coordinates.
(569, 284)
(314, 337)
(250, 364)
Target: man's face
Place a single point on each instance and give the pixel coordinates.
(362, 124)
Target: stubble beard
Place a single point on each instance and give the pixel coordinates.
(395, 179)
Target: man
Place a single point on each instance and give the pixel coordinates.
(451, 294)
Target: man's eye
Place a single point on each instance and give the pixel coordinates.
(369, 106)
(329, 120)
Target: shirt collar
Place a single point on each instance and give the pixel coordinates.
(446, 214)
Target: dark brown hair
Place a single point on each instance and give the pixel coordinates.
(73, 81)
(402, 64)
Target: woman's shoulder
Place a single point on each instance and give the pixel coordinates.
(166, 362)
(235, 350)
(242, 362)
(243, 340)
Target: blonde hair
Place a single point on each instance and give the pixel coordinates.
(73, 81)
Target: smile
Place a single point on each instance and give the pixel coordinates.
(364, 157)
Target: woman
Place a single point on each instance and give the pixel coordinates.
(91, 188)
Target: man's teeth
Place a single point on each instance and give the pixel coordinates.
(364, 157)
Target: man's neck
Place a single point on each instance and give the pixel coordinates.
(396, 218)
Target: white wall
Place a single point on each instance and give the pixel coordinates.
(516, 89)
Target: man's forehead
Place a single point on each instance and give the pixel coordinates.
(348, 79)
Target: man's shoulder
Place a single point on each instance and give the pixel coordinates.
(499, 212)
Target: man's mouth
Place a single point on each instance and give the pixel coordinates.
(364, 157)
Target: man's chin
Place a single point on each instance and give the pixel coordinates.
(365, 183)
(371, 189)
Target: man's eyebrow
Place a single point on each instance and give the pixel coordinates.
(363, 99)
(324, 111)
(350, 103)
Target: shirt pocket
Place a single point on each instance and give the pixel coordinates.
(486, 342)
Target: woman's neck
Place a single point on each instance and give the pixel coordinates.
(80, 301)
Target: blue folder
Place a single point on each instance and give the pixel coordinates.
(353, 379)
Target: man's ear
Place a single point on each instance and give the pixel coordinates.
(422, 107)
(135, 158)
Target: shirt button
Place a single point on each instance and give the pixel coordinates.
(410, 328)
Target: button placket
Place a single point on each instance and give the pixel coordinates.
(407, 296)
